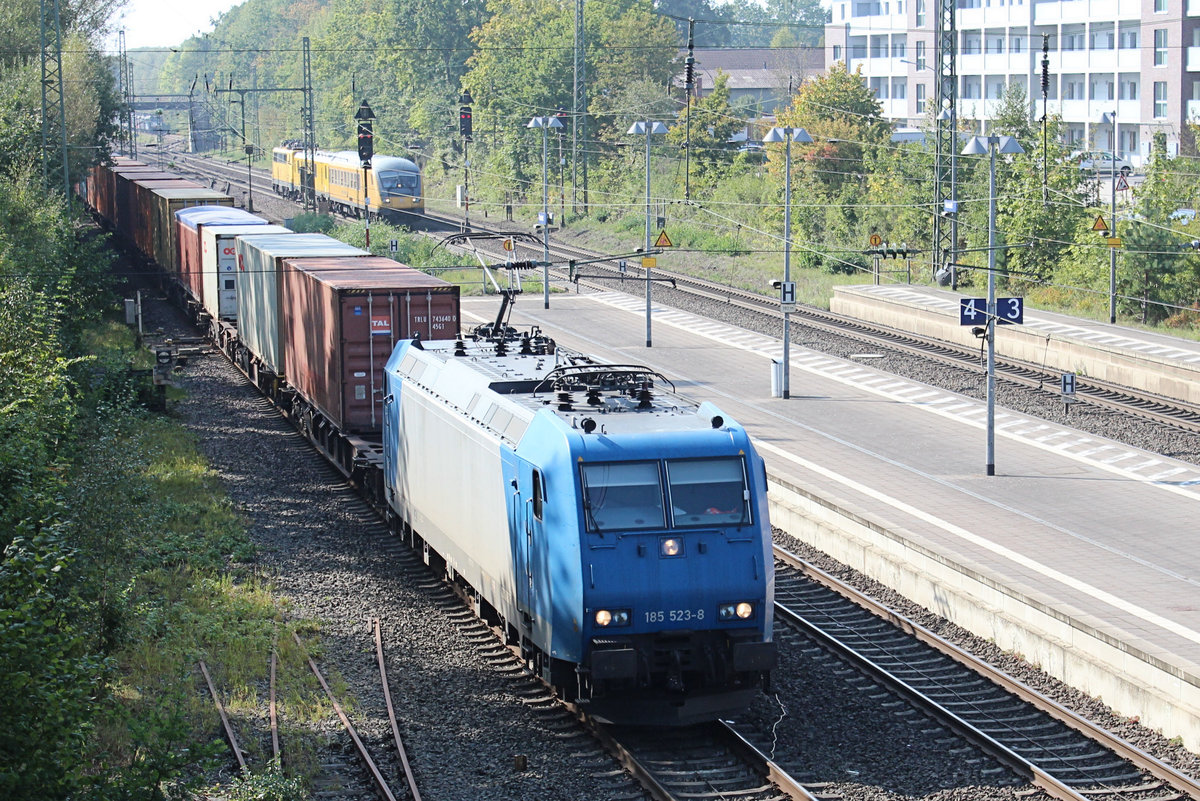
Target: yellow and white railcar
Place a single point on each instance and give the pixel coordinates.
(393, 183)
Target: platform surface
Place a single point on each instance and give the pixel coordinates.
(1146, 343)
(1100, 531)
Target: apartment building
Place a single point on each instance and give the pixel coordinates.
(1137, 58)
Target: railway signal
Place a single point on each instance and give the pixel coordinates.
(464, 122)
(366, 136)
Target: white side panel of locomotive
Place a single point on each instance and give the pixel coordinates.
(449, 486)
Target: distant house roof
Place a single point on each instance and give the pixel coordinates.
(763, 73)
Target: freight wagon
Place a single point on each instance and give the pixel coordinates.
(209, 280)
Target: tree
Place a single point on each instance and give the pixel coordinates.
(1043, 217)
(713, 122)
(1155, 275)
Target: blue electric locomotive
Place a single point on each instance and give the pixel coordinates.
(618, 532)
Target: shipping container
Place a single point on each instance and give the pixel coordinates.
(218, 265)
(158, 205)
(99, 185)
(123, 190)
(135, 210)
(261, 327)
(344, 317)
(188, 255)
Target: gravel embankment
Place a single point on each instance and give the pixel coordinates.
(465, 720)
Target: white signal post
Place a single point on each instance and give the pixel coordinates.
(647, 127)
(787, 135)
(977, 146)
(545, 123)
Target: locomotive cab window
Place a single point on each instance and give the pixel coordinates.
(707, 492)
(394, 183)
(622, 496)
(539, 497)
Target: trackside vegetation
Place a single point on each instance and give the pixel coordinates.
(722, 202)
(123, 561)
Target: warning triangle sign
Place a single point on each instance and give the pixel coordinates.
(663, 240)
(1100, 224)
(1122, 184)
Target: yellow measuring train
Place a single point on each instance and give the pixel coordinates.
(393, 186)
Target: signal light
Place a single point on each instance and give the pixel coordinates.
(366, 135)
(464, 122)
(366, 143)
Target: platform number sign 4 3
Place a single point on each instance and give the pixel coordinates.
(1009, 311)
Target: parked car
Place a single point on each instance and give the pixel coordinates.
(753, 151)
(1102, 163)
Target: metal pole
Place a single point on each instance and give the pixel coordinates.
(954, 193)
(993, 143)
(466, 184)
(250, 178)
(787, 258)
(367, 207)
(545, 215)
(1112, 226)
(649, 126)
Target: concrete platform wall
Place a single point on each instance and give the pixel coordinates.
(1053, 350)
(1066, 646)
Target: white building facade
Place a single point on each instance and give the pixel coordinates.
(1137, 58)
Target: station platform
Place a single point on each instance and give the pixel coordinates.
(1145, 360)
(1079, 554)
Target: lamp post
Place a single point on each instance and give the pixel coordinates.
(647, 127)
(1111, 119)
(977, 146)
(950, 115)
(545, 123)
(787, 135)
(249, 178)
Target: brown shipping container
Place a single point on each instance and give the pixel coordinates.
(344, 317)
(136, 220)
(125, 196)
(111, 190)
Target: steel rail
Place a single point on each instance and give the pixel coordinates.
(387, 697)
(1160, 770)
(773, 772)
(380, 784)
(275, 755)
(229, 735)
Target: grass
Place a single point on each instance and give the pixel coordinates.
(178, 583)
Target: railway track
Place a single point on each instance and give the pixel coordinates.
(1032, 736)
(717, 769)
(606, 274)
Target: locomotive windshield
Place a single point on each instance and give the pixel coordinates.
(628, 496)
(624, 496)
(706, 492)
(393, 183)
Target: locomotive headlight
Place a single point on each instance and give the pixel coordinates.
(613, 617)
(670, 546)
(731, 611)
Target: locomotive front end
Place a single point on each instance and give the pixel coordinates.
(678, 574)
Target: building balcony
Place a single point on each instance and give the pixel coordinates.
(1075, 111)
(1192, 108)
(1073, 61)
(1099, 9)
(895, 109)
(1129, 59)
